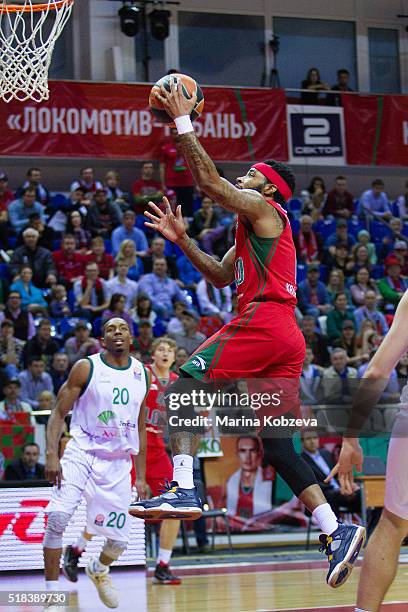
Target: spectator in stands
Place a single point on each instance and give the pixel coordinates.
(391, 393)
(80, 200)
(402, 203)
(32, 297)
(341, 260)
(401, 253)
(117, 308)
(213, 301)
(34, 380)
(308, 243)
(336, 317)
(20, 209)
(313, 298)
(374, 200)
(368, 339)
(362, 284)
(76, 229)
(46, 401)
(175, 173)
(161, 289)
(339, 201)
(46, 233)
(392, 286)
(146, 188)
(11, 349)
(314, 198)
(175, 325)
(128, 231)
(6, 197)
(336, 285)
(369, 310)
(27, 467)
(310, 380)
(361, 257)
(23, 321)
(144, 340)
(69, 264)
(348, 341)
(340, 237)
(123, 285)
(59, 370)
(190, 338)
(102, 217)
(322, 461)
(34, 176)
(113, 191)
(363, 237)
(206, 227)
(314, 85)
(104, 260)
(157, 249)
(41, 345)
(81, 345)
(395, 226)
(59, 306)
(90, 293)
(86, 181)
(127, 255)
(189, 276)
(342, 86)
(12, 402)
(336, 383)
(144, 312)
(39, 259)
(181, 358)
(402, 370)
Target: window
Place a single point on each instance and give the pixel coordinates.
(384, 60)
(222, 49)
(324, 44)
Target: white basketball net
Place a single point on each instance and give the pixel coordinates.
(26, 46)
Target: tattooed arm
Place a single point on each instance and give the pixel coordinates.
(218, 273)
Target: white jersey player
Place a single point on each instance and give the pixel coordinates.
(106, 393)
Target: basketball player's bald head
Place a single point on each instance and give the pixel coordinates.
(117, 336)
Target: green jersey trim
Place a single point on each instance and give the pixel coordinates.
(114, 367)
(88, 380)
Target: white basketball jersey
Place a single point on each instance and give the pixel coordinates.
(105, 417)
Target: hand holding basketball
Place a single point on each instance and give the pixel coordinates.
(174, 101)
(174, 96)
(171, 226)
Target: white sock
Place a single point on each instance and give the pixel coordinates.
(164, 556)
(183, 471)
(51, 585)
(81, 542)
(326, 518)
(361, 610)
(98, 567)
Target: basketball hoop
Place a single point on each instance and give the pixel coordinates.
(26, 46)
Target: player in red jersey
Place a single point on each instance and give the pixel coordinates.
(262, 342)
(159, 468)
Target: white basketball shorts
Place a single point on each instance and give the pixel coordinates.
(106, 485)
(396, 484)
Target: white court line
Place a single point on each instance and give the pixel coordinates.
(317, 607)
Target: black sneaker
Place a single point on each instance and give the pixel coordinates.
(342, 548)
(70, 565)
(163, 575)
(174, 503)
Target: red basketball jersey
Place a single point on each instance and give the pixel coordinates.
(156, 410)
(265, 268)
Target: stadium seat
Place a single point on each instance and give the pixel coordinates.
(379, 231)
(355, 226)
(12, 242)
(377, 272)
(324, 273)
(57, 245)
(59, 200)
(97, 327)
(108, 246)
(295, 207)
(295, 225)
(325, 228)
(4, 271)
(301, 271)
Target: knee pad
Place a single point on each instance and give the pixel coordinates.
(56, 525)
(113, 548)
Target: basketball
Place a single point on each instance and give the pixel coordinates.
(190, 87)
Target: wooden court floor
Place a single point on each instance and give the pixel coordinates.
(268, 587)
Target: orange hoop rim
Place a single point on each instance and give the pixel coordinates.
(52, 5)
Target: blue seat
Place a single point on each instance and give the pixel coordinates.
(12, 242)
(57, 245)
(108, 246)
(325, 228)
(394, 208)
(378, 231)
(59, 200)
(97, 327)
(301, 271)
(4, 271)
(295, 225)
(324, 273)
(295, 207)
(355, 226)
(377, 271)
(404, 229)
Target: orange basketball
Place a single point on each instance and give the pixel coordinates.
(190, 87)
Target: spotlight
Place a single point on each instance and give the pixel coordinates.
(129, 19)
(159, 24)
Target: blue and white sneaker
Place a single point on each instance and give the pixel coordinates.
(174, 503)
(342, 548)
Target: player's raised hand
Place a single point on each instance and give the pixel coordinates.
(53, 470)
(351, 455)
(169, 224)
(174, 101)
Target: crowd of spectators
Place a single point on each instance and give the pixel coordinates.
(70, 261)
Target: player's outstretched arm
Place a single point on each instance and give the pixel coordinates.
(219, 274)
(67, 395)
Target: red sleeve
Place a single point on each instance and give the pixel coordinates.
(109, 260)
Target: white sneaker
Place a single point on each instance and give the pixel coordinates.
(104, 586)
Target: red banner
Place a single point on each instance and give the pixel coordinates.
(105, 120)
(376, 130)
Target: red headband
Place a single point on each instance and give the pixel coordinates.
(275, 178)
